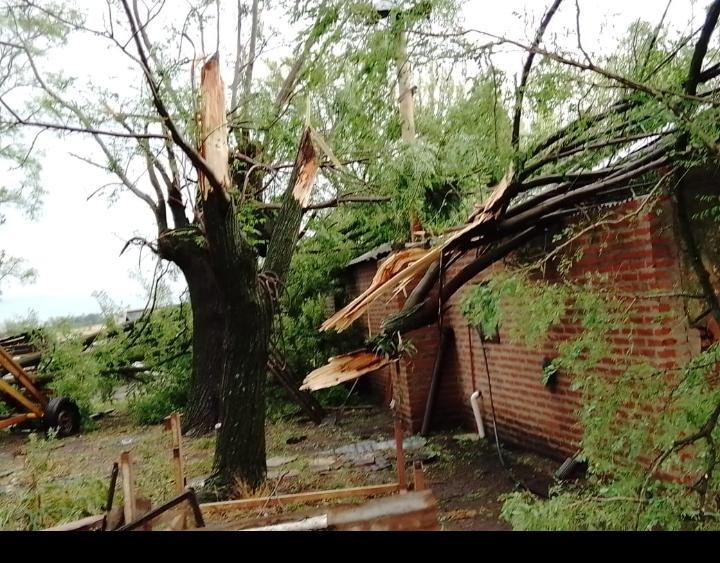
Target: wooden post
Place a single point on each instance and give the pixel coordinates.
(128, 479)
(177, 453)
(419, 476)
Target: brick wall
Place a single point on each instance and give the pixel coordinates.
(635, 247)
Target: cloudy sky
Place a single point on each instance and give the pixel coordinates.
(74, 244)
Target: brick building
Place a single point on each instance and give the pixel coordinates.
(634, 246)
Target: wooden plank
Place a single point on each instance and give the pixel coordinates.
(299, 498)
(20, 398)
(419, 476)
(177, 453)
(128, 483)
(88, 523)
(306, 525)
(413, 511)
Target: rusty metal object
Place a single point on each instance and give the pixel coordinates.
(111, 494)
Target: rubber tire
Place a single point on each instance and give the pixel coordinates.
(64, 415)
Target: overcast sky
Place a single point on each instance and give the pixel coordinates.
(75, 243)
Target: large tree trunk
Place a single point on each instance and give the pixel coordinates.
(240, 449)
(203, 407)
(208, 310)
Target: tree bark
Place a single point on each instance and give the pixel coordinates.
(184, 248)
(240, 448)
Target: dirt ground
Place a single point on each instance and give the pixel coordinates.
(465, 476)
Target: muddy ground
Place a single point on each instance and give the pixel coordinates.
(465, 476)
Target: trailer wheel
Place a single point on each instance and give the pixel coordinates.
(63, 415)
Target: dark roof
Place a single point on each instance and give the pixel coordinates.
(374, 254)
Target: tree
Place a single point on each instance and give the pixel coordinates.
(19, 188)
(246, 201)
(633, 122)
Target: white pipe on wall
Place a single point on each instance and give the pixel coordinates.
(477, 411)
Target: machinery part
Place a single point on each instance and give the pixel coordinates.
(63, 415)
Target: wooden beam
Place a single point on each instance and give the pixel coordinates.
(129, 506)
(177, 453)
(298, 498)
(419, 476)
(414, 511)
(89, 523)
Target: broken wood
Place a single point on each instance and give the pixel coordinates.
(419, 476)
(213, 127)
(307, 165)
(298, 498)
(128, 483)
(394, 273)
(177, 453)
(17, 419)
(85, 524)
(343, 368)
(413, 511)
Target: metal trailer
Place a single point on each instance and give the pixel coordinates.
(30, 404)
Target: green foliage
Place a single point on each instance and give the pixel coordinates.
(626, 419)
(152, 358)
(46, 501)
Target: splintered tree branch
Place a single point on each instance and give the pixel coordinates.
(287, 224)
(194, 156)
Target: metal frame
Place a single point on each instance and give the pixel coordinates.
(36, 408)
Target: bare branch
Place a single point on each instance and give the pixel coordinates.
(520, 92)
(195, 157)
